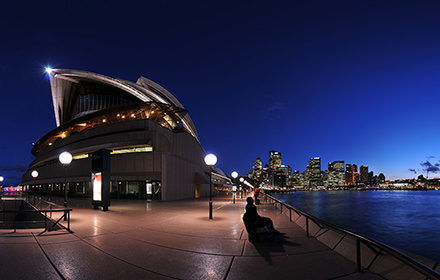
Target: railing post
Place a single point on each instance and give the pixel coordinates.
(358, 254)
(290, 214)
(307, 226)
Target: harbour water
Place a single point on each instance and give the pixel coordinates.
(406, 220)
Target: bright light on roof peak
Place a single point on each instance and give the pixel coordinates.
(49, 70)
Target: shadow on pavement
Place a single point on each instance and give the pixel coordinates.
(272, 244)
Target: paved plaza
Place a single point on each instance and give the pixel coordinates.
(169, 240)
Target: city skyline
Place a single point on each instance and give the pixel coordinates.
(284, 164)
(337, 173)
(343, 80)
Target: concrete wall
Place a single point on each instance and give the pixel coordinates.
(178, 178)
(176, 159)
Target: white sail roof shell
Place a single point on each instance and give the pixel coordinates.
(62, 82)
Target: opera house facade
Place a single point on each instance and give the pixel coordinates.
(154, 148)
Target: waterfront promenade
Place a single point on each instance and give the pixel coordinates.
(169, 240)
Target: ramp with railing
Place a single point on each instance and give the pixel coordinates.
(367, 253)
(23, 213)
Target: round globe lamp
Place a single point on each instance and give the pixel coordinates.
(65, 158)
(34, 174)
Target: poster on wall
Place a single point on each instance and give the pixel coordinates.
(97, 186)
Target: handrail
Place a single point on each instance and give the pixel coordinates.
(423, 269)
(43, 212)
(41, 200)
(29, 211)
(66, 215)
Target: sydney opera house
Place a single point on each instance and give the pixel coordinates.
(154, 148)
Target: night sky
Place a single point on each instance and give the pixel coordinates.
(343, 80)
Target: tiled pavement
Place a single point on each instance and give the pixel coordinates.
(169, 240)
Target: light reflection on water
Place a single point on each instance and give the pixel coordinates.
(407, 220)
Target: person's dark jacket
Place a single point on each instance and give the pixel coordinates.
(251, 211)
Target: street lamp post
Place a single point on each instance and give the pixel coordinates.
(34, 175)
(210, 160)
(65, 158)
(234, 187)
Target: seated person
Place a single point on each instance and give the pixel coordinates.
(255, 219)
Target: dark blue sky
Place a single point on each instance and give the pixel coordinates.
(343, 80)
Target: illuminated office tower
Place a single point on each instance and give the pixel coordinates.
(371, 178)
(287, 170)
(349, 177)
(256, 169)
(274, 160)
(315, 171)
(287, 173)
(296, 178)
(336, 173)
(350, 174)
(381, 178)
(363, 170)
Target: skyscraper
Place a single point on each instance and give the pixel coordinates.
(274, 160)
(364, 174)
(315, 171)
(338, 166)
(336, 174)
(350, 174)
(256, 169)
(381, 178)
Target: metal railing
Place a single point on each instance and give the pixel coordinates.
(369, 242)
(45, 208)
